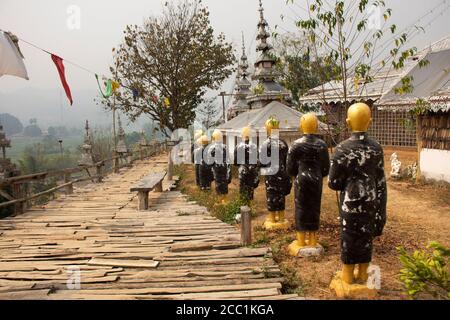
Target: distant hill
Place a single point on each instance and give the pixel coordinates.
(50, 107)
(11, 124)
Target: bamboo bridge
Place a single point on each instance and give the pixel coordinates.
(93, 243)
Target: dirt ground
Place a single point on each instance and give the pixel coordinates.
(416, 214)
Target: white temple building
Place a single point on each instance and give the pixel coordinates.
(267, 97)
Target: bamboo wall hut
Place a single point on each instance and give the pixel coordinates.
(434, 137)
(393, 123)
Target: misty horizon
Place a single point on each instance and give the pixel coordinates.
(42, 97)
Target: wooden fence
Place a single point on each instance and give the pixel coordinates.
(17, 191)
(434, 131)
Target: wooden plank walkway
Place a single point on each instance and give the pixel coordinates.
(176, 250)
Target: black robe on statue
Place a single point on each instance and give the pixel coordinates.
(309, 162)
(246, 158)
(278, 183)
(196, 165)
(205, 173)
(221, 167)
(357, 171)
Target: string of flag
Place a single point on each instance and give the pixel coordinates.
(12, 64)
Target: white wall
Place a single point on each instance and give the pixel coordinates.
(435, 164)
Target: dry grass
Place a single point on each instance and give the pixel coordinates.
(417, 214)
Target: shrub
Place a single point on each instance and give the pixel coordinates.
(425, 271)
(227, 213)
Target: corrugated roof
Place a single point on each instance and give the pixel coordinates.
(289, 118)
(426, 80)
(387, 78)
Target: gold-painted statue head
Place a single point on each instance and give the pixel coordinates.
(271, 124)
(198, 134)
(204, 140)
(199, 141)
(217, 136)
(309, 123)
(359, 117)
(246, 133)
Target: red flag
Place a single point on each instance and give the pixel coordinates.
(60, 66)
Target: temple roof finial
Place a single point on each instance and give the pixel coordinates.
(243, 65)
(243, 44)
(267, 89)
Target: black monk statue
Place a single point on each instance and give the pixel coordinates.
(309, 163)
(246, 158)
(357, 171)
(273, 153)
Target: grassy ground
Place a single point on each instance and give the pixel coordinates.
(417, 214)
(18, 145)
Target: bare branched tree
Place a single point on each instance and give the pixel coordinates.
(168, 64)
(209, 114)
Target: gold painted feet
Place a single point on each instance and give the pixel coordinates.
(276, 221)
(305, 248)
(348, 284)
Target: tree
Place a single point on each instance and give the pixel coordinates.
(10, 124)
(209, 114)
(357, 36)
(58, 132)
(150, 130)
(32, 130)
(299, 70)
(354, 37)
(169, 64)
(52, 131)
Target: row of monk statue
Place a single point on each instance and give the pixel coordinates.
(356, 170)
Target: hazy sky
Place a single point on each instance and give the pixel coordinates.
(44, 23)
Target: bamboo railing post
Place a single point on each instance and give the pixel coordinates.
(141, 152)
(27, 193)
(69, 188)
(116, 163)
(16, 193)
(99, 173)
(170, 166)
(246, 226)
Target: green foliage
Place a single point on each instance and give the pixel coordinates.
(58, 132)
(293, 283)
(408, 123)
(37, 158)
(420, 108)
(352, 43)
(299, 71)
(426, 271)
(227, 213)
(32, 130)
(406, 86)
(258, 89)
(261, 237)
(174, 56)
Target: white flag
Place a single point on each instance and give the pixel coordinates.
(11, 62)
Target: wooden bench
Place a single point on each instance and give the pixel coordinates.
(148, 183)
